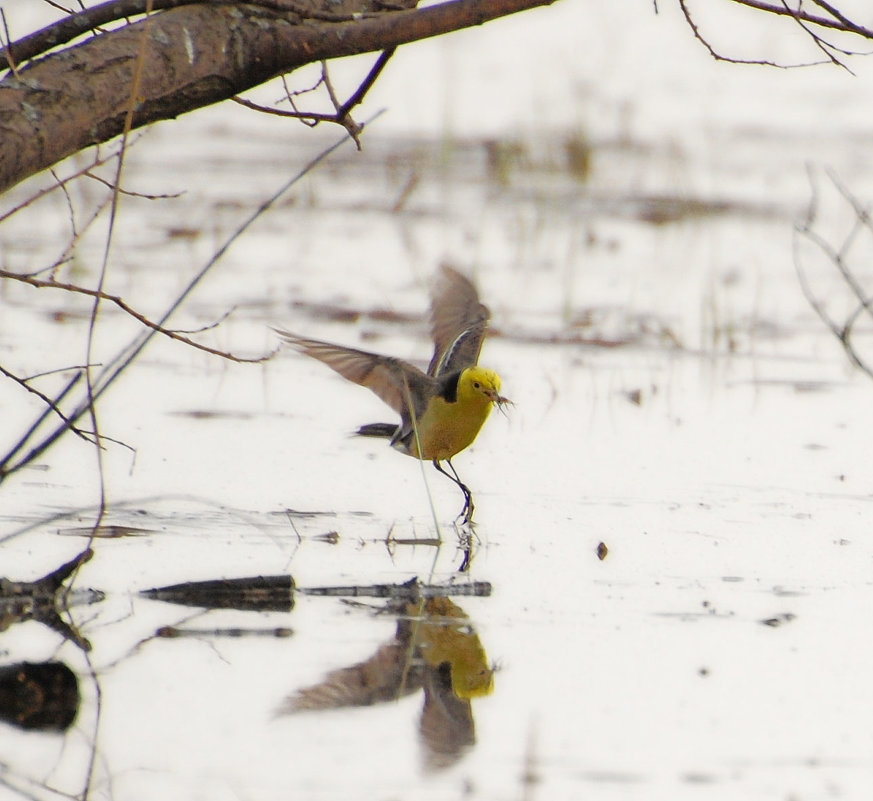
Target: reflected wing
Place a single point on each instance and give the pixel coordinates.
(458, 322)
(446, 726)
(385, 676)
(384, 375)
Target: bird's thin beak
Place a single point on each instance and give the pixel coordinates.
(497, 399)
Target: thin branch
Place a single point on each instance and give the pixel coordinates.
(125, 357)
(281, 112)
(129, 192)
(838, 258)
(25, 438)
(69, 202)
(98, 294)
(824, 46)
(367, 83)
(342, 114)
(52, 405)
(6, 42)
(838, 24)
(840, 17)
(805, 20)
(862, 213)
(67, 254)
(719, 57)
(59, 182)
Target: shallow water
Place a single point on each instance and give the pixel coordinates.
(676, 399)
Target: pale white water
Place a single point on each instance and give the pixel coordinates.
(737, 491)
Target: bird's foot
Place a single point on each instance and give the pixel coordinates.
(466, 539)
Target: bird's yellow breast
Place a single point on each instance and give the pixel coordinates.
(447, 428)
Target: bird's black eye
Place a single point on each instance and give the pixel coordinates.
(476, 385)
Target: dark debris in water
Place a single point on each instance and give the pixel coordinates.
(105, 532)
(308, 513)
(39, 696)
(778, 620)
(212, 414)
(175, 632)
(663, 209)
(276, 593)
(256, 593)
(44, 600)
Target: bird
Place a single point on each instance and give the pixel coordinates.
(443, 409)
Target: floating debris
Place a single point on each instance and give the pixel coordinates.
(212, 414)
(778, 620)
(258, 593)
(39, 696)
(105, 532)
(43, 601)
(276, 593)
(412, 590)
(171, 632)
(602, 551)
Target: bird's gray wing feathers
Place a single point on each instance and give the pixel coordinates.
(458, 323)
(393, 380)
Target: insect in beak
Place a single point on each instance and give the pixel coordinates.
(500, 401)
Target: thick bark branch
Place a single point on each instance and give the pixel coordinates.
(194, 56)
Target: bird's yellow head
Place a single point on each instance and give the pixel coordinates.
(479, 384)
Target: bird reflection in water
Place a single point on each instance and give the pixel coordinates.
(434, 649)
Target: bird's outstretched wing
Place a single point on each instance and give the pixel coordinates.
(458, 322)
(393, 380)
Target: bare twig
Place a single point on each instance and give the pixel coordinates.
(368, 82)
(847, 24)
(6, 41)
(839, 23)
(825, 47)
(95, 308)
(129, 192)
(100, 295)
(730, 59)
(59, 183)
(342, 113)
(5, 469)
(304, 116)
(805, 20)
(52, 405)
(12, 461)
(839, 258)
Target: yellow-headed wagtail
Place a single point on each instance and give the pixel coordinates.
(450, 402)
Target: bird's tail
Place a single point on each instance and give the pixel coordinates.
(386, 430)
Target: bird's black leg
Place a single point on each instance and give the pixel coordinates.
(468, 496)
(467, 511)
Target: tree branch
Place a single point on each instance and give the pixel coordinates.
(90, 20)
(838, 257)
(807, 21)
(99, 294)
(195, 55)
(52, 405)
